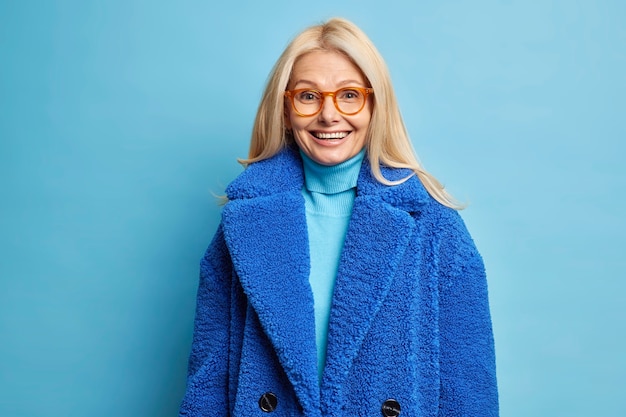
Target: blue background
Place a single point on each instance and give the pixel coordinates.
(120, 121)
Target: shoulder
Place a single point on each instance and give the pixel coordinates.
(282, 172)
(409, 194)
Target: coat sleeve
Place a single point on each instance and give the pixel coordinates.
(467, 357)
(207, 376)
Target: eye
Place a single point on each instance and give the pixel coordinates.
(308, 96)
(349, 94)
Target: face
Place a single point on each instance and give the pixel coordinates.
(328, 137)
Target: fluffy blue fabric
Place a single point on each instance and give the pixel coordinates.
(410, 315)
(328, 193)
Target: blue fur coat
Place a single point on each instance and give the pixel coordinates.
(410, 329)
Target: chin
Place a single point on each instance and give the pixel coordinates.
(329, 159)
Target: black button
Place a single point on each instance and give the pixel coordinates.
(268, 402)
(390, 408)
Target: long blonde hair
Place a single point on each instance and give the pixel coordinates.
(387, 139)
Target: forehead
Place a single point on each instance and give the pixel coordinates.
(325, 68)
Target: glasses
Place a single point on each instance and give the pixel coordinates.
(308, 102)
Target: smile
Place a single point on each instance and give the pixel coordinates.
(330, 135)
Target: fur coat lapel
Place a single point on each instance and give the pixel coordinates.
(265, 230)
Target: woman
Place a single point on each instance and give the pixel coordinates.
(341, 280)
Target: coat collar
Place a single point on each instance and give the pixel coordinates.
(265, 230)
(283, 173)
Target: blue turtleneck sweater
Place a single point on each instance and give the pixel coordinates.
(329, 193)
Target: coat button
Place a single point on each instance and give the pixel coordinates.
(390, 408)
(268, 402)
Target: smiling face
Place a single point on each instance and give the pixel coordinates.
(328, 137)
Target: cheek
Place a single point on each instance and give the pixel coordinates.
(367, 116)
(293, 121)
(364, 121)
(297, 123)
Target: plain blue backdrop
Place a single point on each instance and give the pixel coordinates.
(121, 120)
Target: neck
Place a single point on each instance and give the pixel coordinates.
(332, 179)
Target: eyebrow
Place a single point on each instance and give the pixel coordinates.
(340, 84)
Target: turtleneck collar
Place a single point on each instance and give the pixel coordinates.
(333, 179)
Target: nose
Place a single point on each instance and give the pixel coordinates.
(329, 113)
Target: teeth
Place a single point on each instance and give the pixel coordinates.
(333, 135)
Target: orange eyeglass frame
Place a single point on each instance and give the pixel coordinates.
(291, 93)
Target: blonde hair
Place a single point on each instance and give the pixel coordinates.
(387, 140)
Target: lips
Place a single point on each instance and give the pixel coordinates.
(330, 135)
